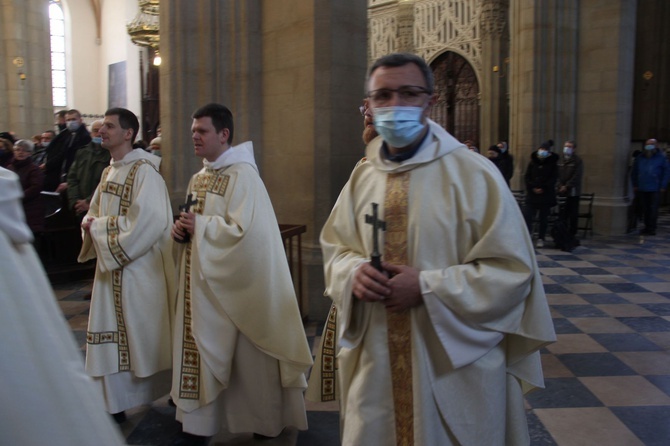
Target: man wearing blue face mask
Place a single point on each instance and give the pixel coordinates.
(437, 344)
(85, 172)
(650, 176)
(61, 151)
(540, 178)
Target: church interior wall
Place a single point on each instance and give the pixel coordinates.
(89, 57)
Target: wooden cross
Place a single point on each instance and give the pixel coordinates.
(377, 224)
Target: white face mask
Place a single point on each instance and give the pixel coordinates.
(568, 151)
(399, 126)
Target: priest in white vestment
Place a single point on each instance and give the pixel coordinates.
(436, 345)
(47, 398)
(240, 350)
(127, 229)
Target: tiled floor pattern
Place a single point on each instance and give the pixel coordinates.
(607, 377)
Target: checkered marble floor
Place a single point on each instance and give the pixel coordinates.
(607, 378)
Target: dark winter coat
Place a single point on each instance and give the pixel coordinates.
(542, 173)
(570, 173)
(32, 179)
(60, 155)
(506, 165)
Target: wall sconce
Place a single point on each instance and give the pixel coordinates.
(22, 76)
(157, 59)
(501, 70)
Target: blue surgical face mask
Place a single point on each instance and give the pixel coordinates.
(73, 126)
(97, 139)
(568, 151)
(649, 147)
(542, 153)
(399, 126)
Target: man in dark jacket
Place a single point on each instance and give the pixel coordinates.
(540, 177)
(85, 172)
(650, 176)
(61, 151)
(505, 161)
(570, 173)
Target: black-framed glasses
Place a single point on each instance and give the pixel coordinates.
(409, 94)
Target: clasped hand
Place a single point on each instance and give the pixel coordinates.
(397, 287)
(185, 224)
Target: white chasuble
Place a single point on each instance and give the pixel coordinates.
(474, 341)
(240, 351)
(47, 398)
(132, 303)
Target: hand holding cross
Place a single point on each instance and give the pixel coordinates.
(377, 224)
(186, 207)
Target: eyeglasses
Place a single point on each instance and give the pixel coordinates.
(408, 94)
(20, 149)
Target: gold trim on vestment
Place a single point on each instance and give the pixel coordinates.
(189, 382)
(125, 193)
(120, 336)
(399, 323)
(212, 181)
(328, 359)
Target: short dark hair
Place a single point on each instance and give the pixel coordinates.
(74, 111)
(402, 59)
(127, 120)
(51, 132)
(222, 117)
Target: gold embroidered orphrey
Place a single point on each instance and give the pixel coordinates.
(328, 359)
(125, 193)
(212, 181)
(399, 323)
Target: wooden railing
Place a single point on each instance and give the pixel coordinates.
(292, 237)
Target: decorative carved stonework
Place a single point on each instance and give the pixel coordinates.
(493, 18)
(437, 26)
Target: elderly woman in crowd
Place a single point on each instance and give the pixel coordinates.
(32, 180)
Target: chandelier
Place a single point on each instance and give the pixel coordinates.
(144, 29)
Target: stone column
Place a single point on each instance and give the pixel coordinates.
(210, 52)
(25, 78)
(292, 72)
(495, 72)
(605, 108)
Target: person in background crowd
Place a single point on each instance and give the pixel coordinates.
(471, 146)
(570, 173)
(6, 151)
(493, 154)
(85, 172)
(40, 153)
(650, 176)
(505, 162)
(32, 180)
(61, 120)
(155, 146)
(540, 178)
(62, 150)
